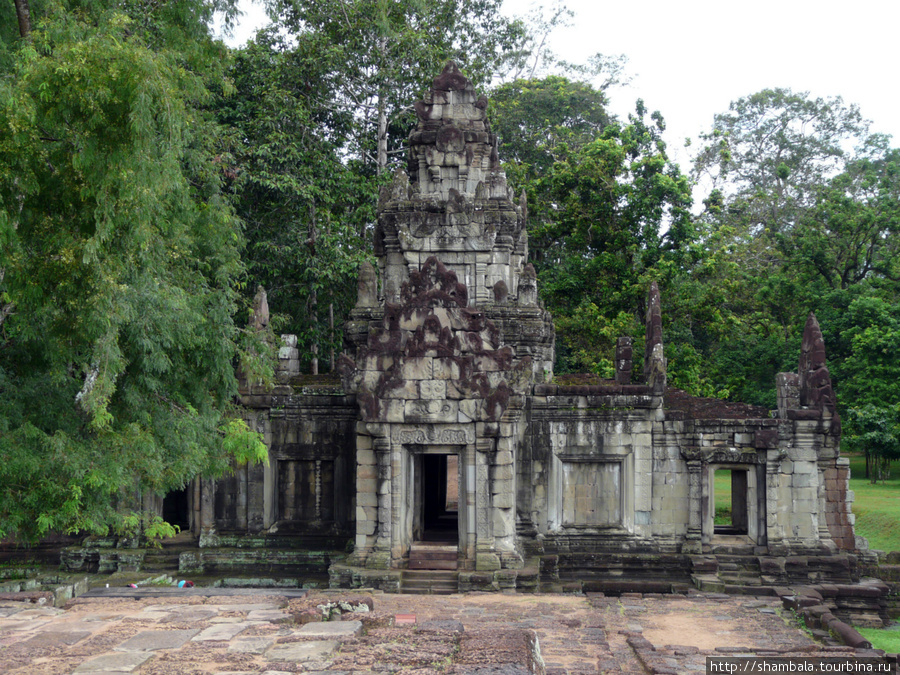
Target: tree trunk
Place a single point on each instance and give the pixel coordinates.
(382, 135)
(313, 296)
(23, 14)
(331, 332)
(5, 311)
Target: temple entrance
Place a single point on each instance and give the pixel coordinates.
(176, 509)
(435, 534)
(440, 498)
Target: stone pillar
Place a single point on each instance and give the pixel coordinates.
(240, 485)
(468, 494)
(693, 540)
(380, 558)
(486, 559)
(774, 526)
(787, 391)
(624, 362)
(825, 468)
(208, 535)
(270, 497)
(396, 509)
(195, 507)
(503, 499)
(366, 499)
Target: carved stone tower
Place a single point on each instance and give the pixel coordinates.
(441, 359)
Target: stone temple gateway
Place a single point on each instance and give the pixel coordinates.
(448, 446)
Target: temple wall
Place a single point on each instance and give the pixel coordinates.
(308, 488)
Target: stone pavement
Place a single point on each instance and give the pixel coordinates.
(468, 634)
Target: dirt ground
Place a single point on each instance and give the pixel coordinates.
(464, 634)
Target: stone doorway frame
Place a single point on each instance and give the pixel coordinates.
(753, 511)
(413, 490)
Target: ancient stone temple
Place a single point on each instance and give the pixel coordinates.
(448, 445)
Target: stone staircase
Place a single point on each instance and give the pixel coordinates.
(161, 560)
(165, 559)
(739, 570)
(722, 572)
(429, 582)
(433, 556)
(735, 572)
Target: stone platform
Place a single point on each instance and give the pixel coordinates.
(462, 634)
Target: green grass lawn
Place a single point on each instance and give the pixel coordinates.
(877, 507)
(887, 639)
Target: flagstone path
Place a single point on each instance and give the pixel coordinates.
(468, 634)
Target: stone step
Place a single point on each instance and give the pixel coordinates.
(418, 564)
(739, 580)
(433, 557)
(429, 582)
(431, 575)
(428, 590)
(160, 561)
(435, 551)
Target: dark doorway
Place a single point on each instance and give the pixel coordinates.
(176, 509)
(731, 515)
(440, 498)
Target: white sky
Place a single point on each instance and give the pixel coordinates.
(690, 58)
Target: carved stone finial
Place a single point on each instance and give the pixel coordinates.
(816, 390)
(654, 356)
(624, 360)
(259, 311)
(528, 287)
(450, 79)
(501, 291)
(367, 286)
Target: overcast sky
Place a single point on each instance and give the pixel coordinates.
(690, 58)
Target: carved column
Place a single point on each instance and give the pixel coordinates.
(693, 540)
(208, 513)
(774, 524)
(380, 558)
(486, 558)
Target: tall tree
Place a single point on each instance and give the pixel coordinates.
(120, 259)
(304, 205)
(800, 205)
(607, 219)
(851, 231)
(768, 152)
(535, 118)
(386, 51)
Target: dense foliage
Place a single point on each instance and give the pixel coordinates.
(119, 269)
